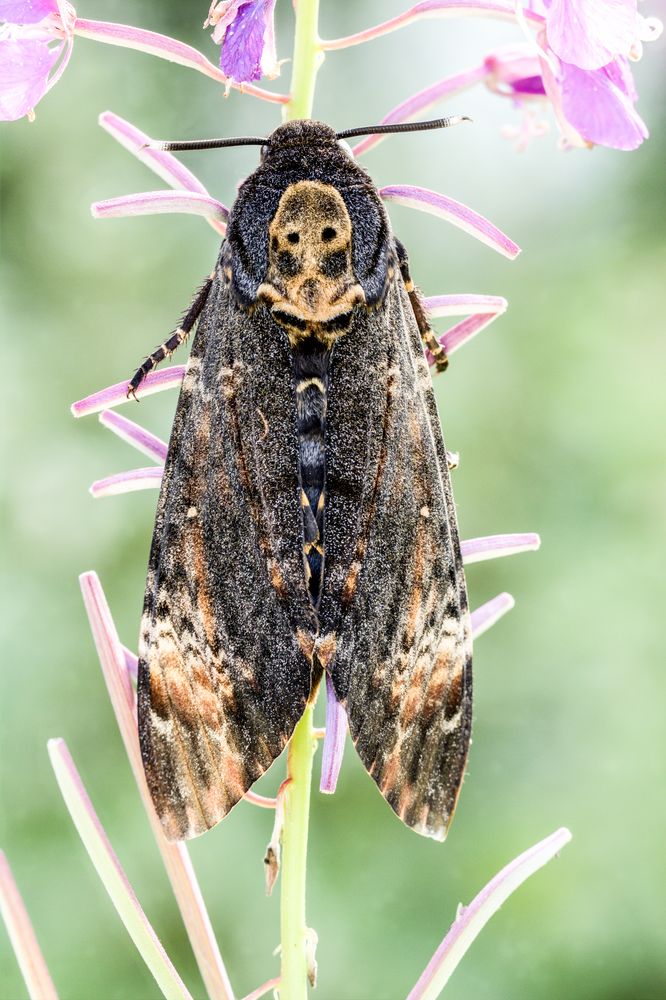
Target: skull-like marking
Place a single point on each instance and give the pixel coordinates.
(310, 285)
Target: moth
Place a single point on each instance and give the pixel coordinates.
(305, 522)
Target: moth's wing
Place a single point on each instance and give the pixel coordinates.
(396, 634)
(225, 650)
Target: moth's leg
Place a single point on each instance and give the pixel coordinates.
(427, 333)
(177, 338)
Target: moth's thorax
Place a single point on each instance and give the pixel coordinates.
(310, 286)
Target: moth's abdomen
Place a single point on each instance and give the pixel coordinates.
(310, 365)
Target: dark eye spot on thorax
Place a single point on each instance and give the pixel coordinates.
(288, 264)
(334, 264)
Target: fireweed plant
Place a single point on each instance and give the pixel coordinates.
(570, 55)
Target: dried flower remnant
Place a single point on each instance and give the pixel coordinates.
(245, 32)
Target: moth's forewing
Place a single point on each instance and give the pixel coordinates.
(394, 593)
(223, 676)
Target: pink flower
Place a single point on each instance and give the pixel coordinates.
(586, 71)
(245, 31)
(592, 106)
(36, 41)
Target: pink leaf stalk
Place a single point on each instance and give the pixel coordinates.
(421, 102)
(22, 936)
(259, 800)
(133, 434)
(472, 919)
(175, 855)
(463, 332)
(165, 165)
(261, 991)
(148, 478)
(451, 211)
(502, 9)
(334, 741)
(494, 546)
(463, 304)
(116, 395)
(488, 614)
(484, 310)
(115, 880)
(166, 48)
(161, 203)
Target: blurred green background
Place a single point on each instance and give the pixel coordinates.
(558, 414)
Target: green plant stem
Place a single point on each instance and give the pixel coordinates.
(294, 973)
(308, 57)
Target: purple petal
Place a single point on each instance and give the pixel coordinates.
(114, 395)
(25, 65)
(529, 85)
(245, 39)
(27, 11)
(619, 73)
(334, 741)
(159, 203)
(133, 434)
(494, 546)
(599, 109)
(454, 212)
(589, 34)
(473, 918)
(485, 616)
(131, 481)
(22, 936)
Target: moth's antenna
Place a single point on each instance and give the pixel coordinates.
(180, 147)
(349, 133)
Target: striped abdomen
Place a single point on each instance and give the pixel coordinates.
(311, 363)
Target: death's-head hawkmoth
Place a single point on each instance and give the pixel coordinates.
(305, 521)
